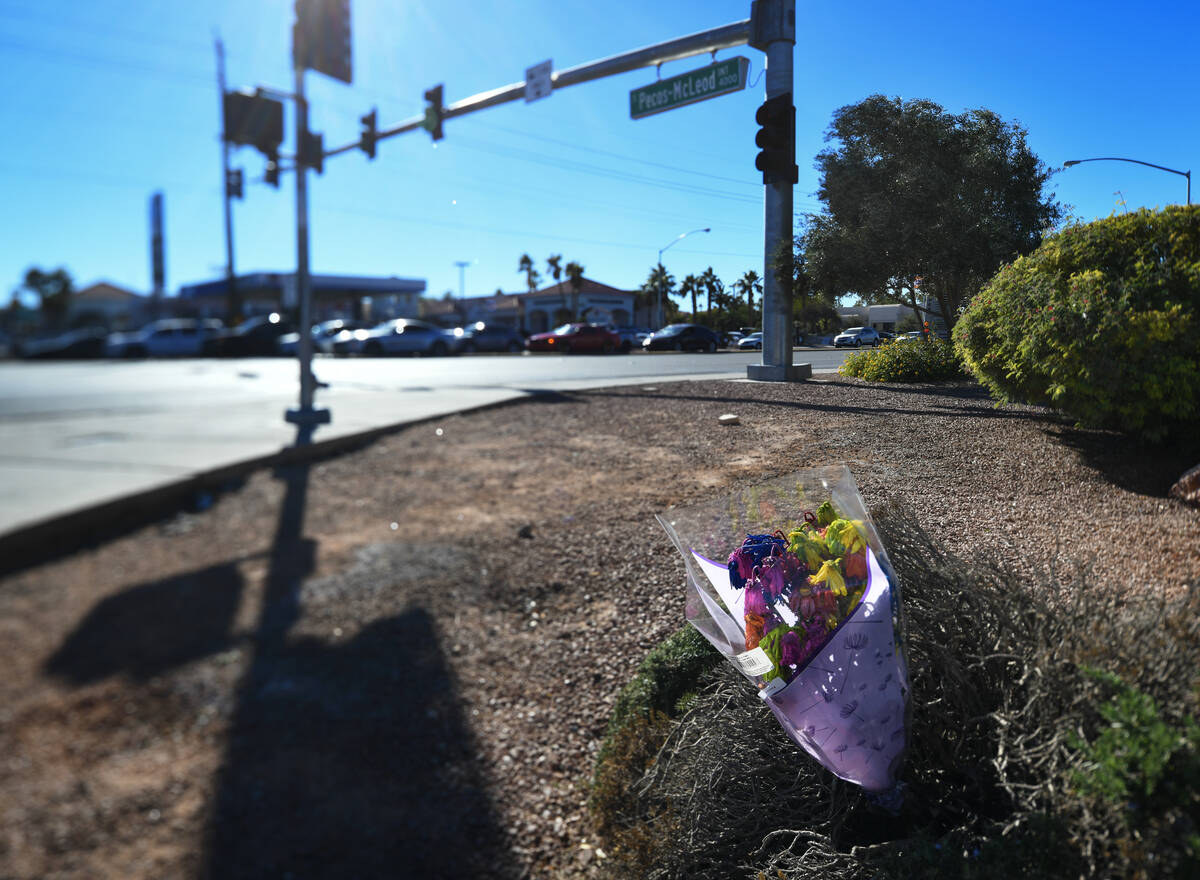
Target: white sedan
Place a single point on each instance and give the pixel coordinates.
(400, 336)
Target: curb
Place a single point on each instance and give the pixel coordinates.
(55, 537)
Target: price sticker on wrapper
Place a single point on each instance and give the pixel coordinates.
(754, 662)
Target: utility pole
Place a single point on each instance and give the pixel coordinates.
(462, 270)
(233, 301)
(774, 25)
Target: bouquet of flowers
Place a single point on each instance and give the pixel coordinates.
(789, 580)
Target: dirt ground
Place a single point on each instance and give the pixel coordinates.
(399, 662)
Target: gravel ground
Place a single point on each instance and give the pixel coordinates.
(400, 662)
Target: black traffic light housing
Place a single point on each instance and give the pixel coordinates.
(271, 174)
(433, 112)
(254, 120)
(312, 152)
(234, 184)
(777, 138)
(370, 134)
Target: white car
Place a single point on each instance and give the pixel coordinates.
(174, 337)
(752, 342)
(857, 337)
(400, 336)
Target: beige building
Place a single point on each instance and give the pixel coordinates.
(107, 305)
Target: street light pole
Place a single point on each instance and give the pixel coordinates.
(1188, 174)
(661, 251)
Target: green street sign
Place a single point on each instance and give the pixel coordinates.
(688, 88)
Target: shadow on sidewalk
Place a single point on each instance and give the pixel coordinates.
(351, 759)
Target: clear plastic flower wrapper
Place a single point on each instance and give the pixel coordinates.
(789, 580)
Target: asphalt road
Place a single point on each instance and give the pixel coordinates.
(74, 434)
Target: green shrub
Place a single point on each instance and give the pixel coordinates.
(1102, 321)
(641, 719)
(905, 360)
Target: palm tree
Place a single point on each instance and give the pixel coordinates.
(690, 285)
(575, 278)
(658, 282)
(555, 272)
(712, 285)
(748, 285)
(531, 274)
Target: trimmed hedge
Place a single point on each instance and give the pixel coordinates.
(1102, 322)
(905, 360)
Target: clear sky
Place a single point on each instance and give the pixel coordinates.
(105, 101)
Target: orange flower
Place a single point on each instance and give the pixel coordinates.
(856, 565)
(754, 631)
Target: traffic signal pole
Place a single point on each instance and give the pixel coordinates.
(775, 35)
(233, 301)
(304, 416)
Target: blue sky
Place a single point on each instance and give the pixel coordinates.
(104, 102)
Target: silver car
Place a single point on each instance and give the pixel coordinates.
(401, 336)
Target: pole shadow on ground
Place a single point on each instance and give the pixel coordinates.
(349, 759)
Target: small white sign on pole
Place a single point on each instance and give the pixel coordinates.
(537, 81)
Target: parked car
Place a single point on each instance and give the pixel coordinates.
(253, 337)
(323, 335)
(632, 337)
(682, 337)
(490, 337)
(732, 337)
(753, 342)
(400, 336)
(885, 336)
(87, 342)
(576, 338)
(913, 334)
(857, 337)
(172, 337)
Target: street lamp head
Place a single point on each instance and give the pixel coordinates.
(706, 229)
(1070, 162)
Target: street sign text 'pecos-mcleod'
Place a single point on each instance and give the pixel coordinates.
(696, 85)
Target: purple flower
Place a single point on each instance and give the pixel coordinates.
(771, 577)
(790, 645)
(756, 601)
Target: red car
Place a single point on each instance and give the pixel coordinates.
(576, 338)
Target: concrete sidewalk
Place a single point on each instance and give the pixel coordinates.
(67, 476)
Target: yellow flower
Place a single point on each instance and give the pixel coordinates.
(808, 547)
(831, 575)
(850, 534)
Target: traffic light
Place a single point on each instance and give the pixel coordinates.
(312, 152)
(233, 184)
(433, 112)
(254, 120)
(369, 134)
(777, 138)
(271, 174)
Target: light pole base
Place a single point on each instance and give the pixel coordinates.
(768, 373)
(308, 417)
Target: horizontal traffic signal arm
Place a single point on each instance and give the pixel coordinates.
(725, 37)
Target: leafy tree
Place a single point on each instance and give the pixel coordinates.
(690, 286)
(575, 279)
(54, 291)
(914, 192)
